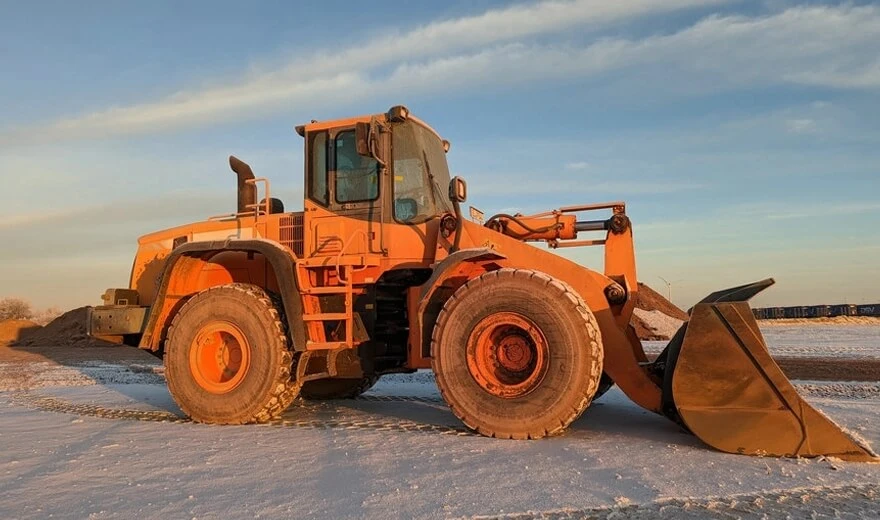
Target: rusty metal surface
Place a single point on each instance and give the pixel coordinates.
(507, 355)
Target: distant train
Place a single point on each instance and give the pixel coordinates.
(868, 310)
(817, 311)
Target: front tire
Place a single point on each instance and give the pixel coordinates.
(227, 357)
(517, 354)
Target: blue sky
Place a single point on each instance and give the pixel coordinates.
(744, 136)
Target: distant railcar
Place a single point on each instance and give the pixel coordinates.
(818, 311)
(869, 310)
(844, 309)
(796, 312)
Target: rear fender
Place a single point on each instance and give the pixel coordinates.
(186, 272)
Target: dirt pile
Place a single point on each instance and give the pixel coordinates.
(655, 317)
(654, 325)
(650, 300)
(67, 330)
(14, 330)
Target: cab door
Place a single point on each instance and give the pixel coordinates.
(343, 202)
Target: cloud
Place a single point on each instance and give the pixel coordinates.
(510, 185)
(822, 211)
(323, 78)
(579, 165)
(833, 47)
(801, 126)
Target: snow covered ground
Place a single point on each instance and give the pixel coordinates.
(105, 440)
(828, 341)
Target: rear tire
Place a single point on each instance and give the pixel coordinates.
(227, 357)
(337, 388)
(517, 354)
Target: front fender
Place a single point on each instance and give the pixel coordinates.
(188, 257)
(464, 264)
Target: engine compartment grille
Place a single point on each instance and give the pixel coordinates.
(291, 232)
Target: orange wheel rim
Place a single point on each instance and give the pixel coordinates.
(219, 357)
(507, 355)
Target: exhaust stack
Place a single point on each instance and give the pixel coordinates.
(247, 192)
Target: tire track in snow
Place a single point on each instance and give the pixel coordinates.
(853, 501)
(53, 404)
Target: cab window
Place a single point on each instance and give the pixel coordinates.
(418, 162)
(357, 177)
(318, 191)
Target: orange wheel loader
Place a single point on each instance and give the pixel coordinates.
(380, 273)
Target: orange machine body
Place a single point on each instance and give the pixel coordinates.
(364, 270)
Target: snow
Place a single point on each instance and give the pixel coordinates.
(398, 453)
(826, 341)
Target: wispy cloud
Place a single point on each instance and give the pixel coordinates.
(825, 46)
(507, 185)
(822, 210)
(733, 218)
(324, 78)
(801, 126)
(577, 165)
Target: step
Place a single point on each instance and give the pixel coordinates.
(327, 316)
(327, 345)
(333, 289)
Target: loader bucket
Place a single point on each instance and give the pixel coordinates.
(720, 382)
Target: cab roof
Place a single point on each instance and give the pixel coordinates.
(397, 113)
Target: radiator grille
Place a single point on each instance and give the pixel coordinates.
(291, 232)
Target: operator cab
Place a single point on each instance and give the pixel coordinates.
(348, 159)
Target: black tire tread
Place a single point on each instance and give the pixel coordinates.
(284, 390)
(565, 293)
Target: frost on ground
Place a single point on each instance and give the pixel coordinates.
(826, 341)
(103, 439)
(347, 459)
(871, 321)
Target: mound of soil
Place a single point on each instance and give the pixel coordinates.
(655, 317)
(15, 330)
(648, 299)
(67, 330)
(654, 325)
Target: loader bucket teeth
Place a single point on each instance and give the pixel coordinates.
(722, 384)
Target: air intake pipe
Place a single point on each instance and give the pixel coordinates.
(247, 191)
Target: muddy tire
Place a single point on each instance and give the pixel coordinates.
(227, 357)
(337, 388)
(517, 354)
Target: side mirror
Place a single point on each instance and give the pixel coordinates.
(362, 139)
(457, 190)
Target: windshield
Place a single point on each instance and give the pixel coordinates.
(421, 175)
